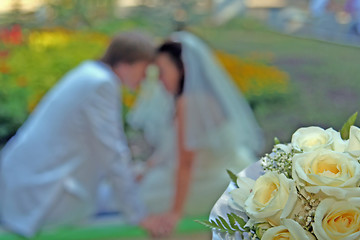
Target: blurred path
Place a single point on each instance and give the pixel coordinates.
(326, 28)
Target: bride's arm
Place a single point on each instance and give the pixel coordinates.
(185, 164)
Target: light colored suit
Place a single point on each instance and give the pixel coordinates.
(51, 169)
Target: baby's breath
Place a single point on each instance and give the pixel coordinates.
(306, 217)
(278, 161)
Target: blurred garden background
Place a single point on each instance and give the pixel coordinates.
(294, 68)
(289, 79)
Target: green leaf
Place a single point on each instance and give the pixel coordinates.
(276, 141)
(220, 224)
(239, 220)
(233, 177)
(232, 222)
(345, 130)
(224, 223)
(207, 223)
(258, 231)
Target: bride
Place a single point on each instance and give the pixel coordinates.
(200, 126)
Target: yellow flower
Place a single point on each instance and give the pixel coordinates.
(288, 230)
(254, 78)
(311, 138)
(129, 101)
(129, 97)
(268, 197)
(338, 144)
(331, 173)
(338, 219)
(354, 141)
(43, 39)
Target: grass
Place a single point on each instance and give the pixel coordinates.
(185, 230)
(325, 77)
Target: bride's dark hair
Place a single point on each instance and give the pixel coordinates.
(174, 50)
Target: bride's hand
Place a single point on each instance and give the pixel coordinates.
(157, 226)
(171, 218)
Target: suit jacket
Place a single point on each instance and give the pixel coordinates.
(71, 140)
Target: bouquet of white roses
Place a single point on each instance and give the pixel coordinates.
(309, 190)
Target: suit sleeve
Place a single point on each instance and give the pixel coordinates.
(104, 114)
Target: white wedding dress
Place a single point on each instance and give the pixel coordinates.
(220, 129)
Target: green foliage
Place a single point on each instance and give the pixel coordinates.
(233, 177)
(233, 224)
(34, 67)
(12, 105)
(345, 130)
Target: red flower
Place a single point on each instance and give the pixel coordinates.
(11, 36)
(4, 54)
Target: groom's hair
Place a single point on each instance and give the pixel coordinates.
(129, 47)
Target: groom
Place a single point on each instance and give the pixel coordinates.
(50, 170)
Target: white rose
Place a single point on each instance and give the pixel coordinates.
(337, 219)
(332, 173)
(289, 230)
(338, 144)
(241, 194)
(311, 138)
(269, 196)
(354, 141)
(286, 148)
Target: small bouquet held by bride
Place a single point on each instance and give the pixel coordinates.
(309, 189)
